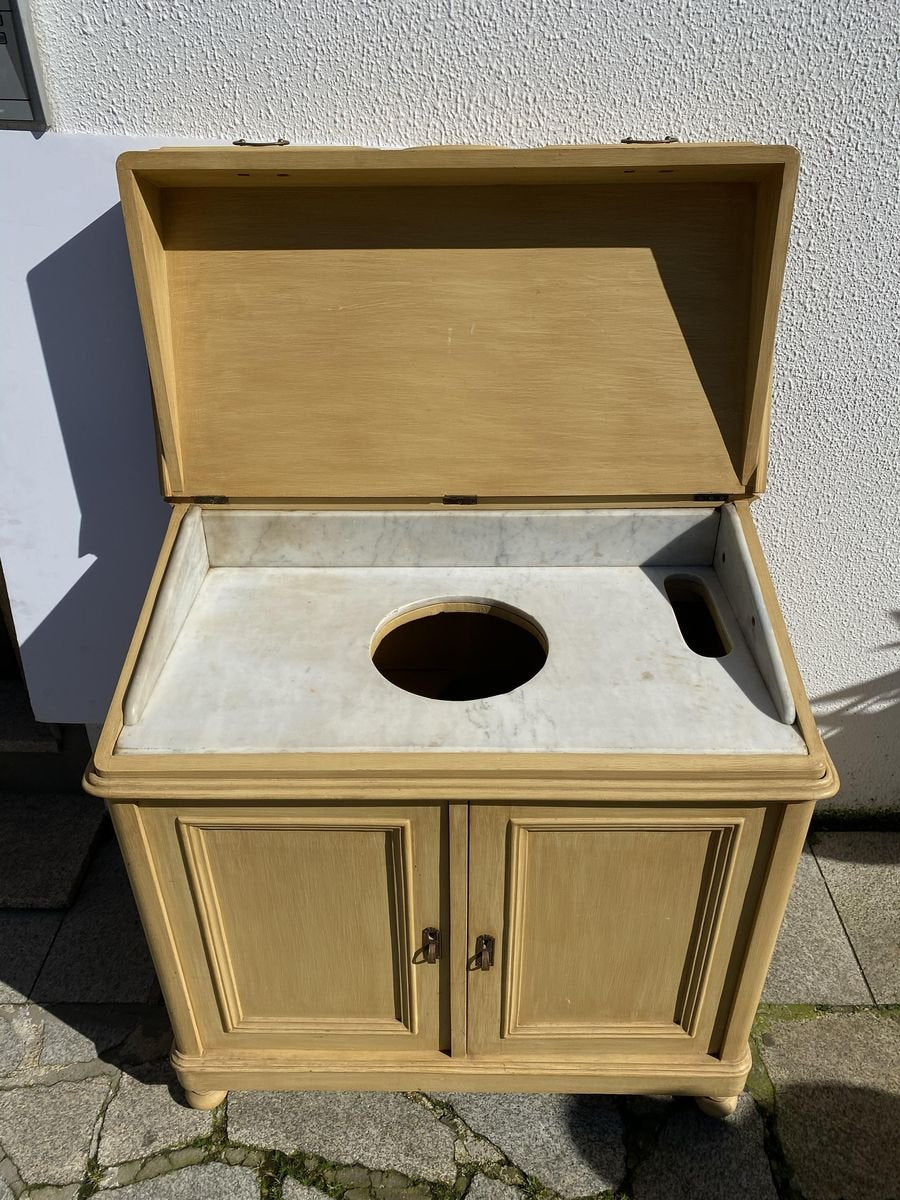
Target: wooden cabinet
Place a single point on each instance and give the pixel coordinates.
(461, 623)
(297, 941)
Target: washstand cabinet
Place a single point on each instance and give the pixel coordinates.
(460, 745)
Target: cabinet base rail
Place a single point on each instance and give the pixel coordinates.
(206, 1074)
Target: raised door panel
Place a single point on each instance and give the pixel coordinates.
(310, 923)
(612, 929)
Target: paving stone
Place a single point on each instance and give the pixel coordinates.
(145, 1118)
(77, 1033)
(6, 1192)
(100, 954)
(813, 961)
(45, 841)
(139, 1170)
(478, 1150)
(10, 1179)
(12, 1045)
(51, 1192)
(47, 1129)
(151, 1038)
(25, 938)
(292, 1190)
(701, 1158)
(482, 1188)
(572, 1144)
(837, 1103)
(383, 1130)
(20, 1036)
(212, 1181)
(863, 873)
(386, 1185)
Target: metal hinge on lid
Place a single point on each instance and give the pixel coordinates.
(711, 497)
(459, 500)
(210, 499)
(649, 141)
(244, 142)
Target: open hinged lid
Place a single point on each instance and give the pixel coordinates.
(566, 323)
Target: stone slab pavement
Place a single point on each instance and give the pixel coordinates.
(89, 1105)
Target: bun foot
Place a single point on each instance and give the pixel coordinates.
(204, 1100)
(717, 1106)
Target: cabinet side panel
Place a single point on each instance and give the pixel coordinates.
(774, 877)
(142, 873)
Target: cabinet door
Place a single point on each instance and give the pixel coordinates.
(303, 927)
(613, 927)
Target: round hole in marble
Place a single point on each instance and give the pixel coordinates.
(459, 648)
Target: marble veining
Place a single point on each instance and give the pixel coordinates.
(185, 573)
(734, 567)
(461, 538)
(277, 659)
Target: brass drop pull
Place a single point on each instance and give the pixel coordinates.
(484, 952)
(431, 944)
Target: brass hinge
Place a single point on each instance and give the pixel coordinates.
(244, 142)
(459, 500)
(649, 141)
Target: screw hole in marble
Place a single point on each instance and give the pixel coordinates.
(695, 612)
(459, 648)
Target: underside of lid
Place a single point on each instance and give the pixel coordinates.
(380, 325)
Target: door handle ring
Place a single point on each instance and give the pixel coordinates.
(431, 944)
(484, 952)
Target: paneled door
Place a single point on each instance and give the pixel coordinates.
(612, 928)
(306, 928)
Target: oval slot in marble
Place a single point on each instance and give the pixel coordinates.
(695, 612)
(459, 648)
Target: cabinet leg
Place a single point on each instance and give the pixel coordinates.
(717, 1106)
(204, 1099)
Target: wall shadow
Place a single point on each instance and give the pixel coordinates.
(86, 313)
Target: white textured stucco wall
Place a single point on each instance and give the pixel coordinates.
(526, 72)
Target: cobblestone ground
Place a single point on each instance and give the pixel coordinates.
(88, 1104)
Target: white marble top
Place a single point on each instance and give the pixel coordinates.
(276, 658)
(461, 537)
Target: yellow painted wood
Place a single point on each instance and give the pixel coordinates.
(284, 1071)
(587, 325)
(585, 993)
(204, 1100)
(759, 926)
(141, 209)
(150, 895)
(459, 926)
(613, 927)
(301, 928)
(584, 321)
